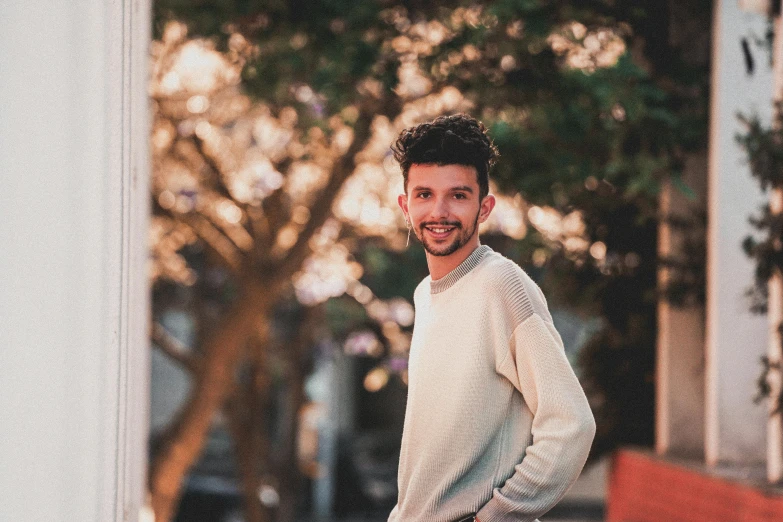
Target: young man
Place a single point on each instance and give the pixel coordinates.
(497, 426)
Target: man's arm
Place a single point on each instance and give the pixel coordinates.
(563, 426)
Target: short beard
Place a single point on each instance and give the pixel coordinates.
(460, 241)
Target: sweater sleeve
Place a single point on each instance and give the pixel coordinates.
(562, 429)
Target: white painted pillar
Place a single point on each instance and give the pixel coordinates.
(775, 303)
(679, 401)
(73, 285)
(736, 338)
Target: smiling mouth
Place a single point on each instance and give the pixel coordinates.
(439, 231)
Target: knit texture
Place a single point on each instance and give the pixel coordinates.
(496, 421)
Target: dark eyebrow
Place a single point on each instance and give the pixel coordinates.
(462, 188)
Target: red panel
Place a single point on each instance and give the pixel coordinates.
(643, 488)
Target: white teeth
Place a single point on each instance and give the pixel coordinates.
(439, 230)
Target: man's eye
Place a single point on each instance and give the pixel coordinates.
(460, 196)
(424, 194)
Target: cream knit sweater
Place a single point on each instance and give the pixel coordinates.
(496, 421)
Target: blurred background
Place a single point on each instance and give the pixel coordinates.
(206, 291)
(282, 285)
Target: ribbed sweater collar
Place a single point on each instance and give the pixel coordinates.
(470, 262)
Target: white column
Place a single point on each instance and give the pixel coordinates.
(736, 339)
(679, 416)
(775, 304)
(73, 286)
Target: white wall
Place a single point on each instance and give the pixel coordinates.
(73, 292)
(736, 339)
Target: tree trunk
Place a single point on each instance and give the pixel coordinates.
(226, 347)
(222, 352)
(244, 425)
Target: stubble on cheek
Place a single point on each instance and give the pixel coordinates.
(460, 237)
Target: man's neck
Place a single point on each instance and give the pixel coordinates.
(440, 266)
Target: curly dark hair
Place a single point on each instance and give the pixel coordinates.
(449, 140)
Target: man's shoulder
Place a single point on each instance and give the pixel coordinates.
(508, 285)
(497, 269)
(422, 289)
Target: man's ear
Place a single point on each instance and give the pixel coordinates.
(487, 204)
(402, 201)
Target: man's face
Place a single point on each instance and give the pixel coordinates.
(443, 206)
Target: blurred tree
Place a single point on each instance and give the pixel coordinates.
(270, 143)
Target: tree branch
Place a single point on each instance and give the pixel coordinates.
(173, 348)
(322, 208)
(213, 164)
(215, 239)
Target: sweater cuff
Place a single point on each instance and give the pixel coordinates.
(493, 512)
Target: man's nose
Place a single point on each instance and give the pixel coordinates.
(440, 210)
